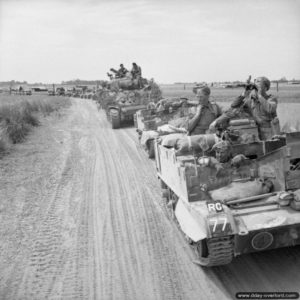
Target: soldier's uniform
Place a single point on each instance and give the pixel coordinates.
(200, 124)
(263, 111)
(136, 71)
(122, 72)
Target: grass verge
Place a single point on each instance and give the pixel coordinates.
(18, 115)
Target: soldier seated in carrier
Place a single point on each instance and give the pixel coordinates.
(206, 113)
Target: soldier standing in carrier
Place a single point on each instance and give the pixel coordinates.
(254, 103)
(206, 113)
(261, 106)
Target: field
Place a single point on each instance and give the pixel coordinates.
(288, 100)
(18, 114)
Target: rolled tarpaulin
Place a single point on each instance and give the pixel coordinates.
(238, 190)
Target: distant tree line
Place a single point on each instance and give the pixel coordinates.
(83, 82)
(12, 82)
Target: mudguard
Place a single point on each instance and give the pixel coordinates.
(195, 230)
(205, 220)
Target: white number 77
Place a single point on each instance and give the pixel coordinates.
(216, 223)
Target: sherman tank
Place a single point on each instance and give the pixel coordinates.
(160, 120)
(232, 194)
(124, 97)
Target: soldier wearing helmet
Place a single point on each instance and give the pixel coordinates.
(206, 112)
(223, 151)
(261, 106)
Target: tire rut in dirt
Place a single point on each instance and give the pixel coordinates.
(167, 269)
(49, 253)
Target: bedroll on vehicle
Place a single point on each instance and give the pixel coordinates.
(149, 122)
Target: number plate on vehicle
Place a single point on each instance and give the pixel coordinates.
(219, 225)
(214, 206)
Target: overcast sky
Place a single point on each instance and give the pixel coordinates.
(172, 40)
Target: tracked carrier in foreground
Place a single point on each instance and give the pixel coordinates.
(249, 203)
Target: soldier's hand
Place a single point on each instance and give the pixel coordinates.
(246, 93)
(212, 127)
(198, 111)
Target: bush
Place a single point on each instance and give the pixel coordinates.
(17, 131)
(29, 114)
(19, 115)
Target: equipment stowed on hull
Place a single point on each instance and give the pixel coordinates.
(159, 121)
(123, 97)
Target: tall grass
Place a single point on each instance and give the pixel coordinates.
(19, 115)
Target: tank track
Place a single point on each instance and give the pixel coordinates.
(220, 251)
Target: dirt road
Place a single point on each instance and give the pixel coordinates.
(82, 218)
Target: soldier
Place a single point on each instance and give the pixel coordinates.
(261, 106)
(206, 113)
(254, 103)
(136, 71)
(122, 71)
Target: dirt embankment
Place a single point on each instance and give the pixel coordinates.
(81, 218)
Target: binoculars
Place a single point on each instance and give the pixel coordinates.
(251, 86)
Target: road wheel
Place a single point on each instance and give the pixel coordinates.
(115, 119)
(171, 204)
(150, 149)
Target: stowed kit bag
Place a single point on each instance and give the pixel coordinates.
(170, 140)
(195, 143)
